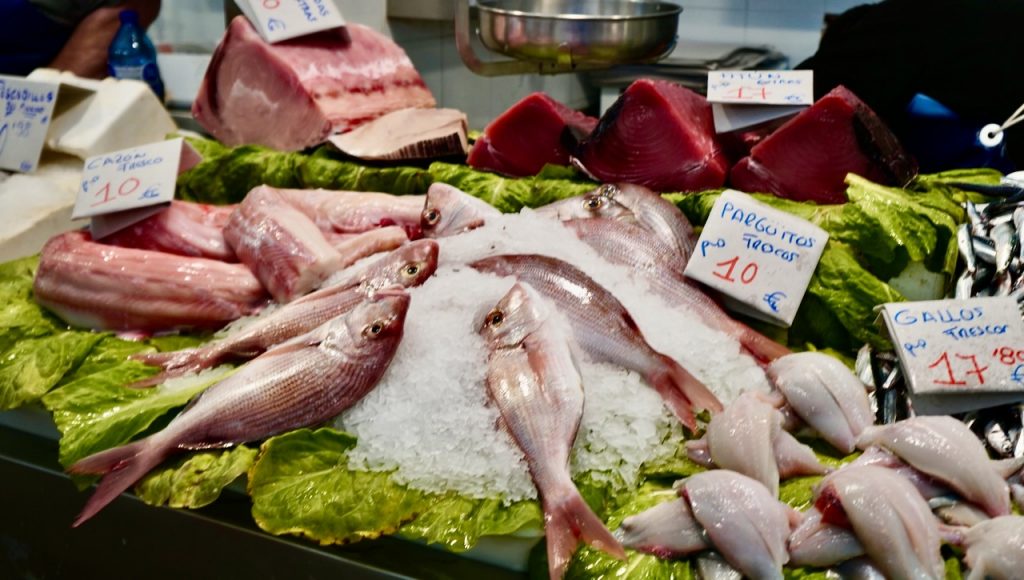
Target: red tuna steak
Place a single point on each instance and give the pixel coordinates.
(807, 159)
(293, 94)
(659, 135)
(533, 132)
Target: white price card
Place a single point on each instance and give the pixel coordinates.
(760, 258)
(959, 347)
(278, 20)
(116, 186)
(26, 109)
(741, 99)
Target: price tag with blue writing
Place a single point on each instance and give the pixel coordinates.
(744, 98)
(26, 109)
(278, 20)
(117, 187)
(971, 346)
(761, 259)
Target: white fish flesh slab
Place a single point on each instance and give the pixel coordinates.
(183, 228)
(294, 94)
(534, 380)
(666, 530)
(819, 544)
(948, 451)
(407, 134)
(305, 381)
(890, 518)
(995, 549)
(104, 287)
(825, 395)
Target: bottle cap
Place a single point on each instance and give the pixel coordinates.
(129, 17)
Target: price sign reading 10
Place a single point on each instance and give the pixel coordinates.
(128, 179)
(759, 257)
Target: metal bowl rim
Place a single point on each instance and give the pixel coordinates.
(668, 9)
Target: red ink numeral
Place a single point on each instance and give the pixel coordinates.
(747, 274)
(950, 379)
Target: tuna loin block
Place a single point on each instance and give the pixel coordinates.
(293, 94)
(533, 132)
(659, 135)
(807, 159)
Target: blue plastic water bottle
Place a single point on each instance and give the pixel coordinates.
(132, 55)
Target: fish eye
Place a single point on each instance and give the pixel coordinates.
(374, 329)
(411, 270)
(431, 216)
(608, 190)
(592, 203)
(495, 318)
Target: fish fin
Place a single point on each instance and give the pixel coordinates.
(178, 363)
(1006, 468)
(121, 467)
(762, 348)
(699, 452)
(682, 391)
(570, 521)
(155, 359)
(150, 382)
(794, 458)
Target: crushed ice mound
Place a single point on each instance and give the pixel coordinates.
(429, 419)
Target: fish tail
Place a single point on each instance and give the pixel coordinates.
(175, 364)
(682, 391)
(759, 346)
(121, 467)
(569, 521)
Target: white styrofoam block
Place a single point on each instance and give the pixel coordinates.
(38, 205)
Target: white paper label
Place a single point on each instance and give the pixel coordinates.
(129, 179)
(959, 346)
(26, 109)
(761, 87)
(278, 20)
(735, 117)
(761, 257)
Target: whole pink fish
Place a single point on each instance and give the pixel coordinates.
(634, 204)
(448, 211)
(405, 267)
(182, 228)
(105, 287)
(605, 330)
(299, 383)
(646, 255)
(533, 380)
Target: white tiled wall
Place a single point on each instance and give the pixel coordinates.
(792, 26)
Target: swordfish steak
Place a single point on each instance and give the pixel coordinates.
(294, 94)
(807, 159)
(533, 132)
(659, 135)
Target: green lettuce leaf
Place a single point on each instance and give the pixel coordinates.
(97, 412)
(228, 177)
(509, 194)
(328, 170)
(458, 522)
(197, 480)
(33, 366)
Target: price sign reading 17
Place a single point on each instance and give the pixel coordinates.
(959, 346)
(129, 179)
(757, 256)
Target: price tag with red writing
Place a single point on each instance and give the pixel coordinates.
(967, 346)
(743, 98)
(278, 20)
(760, 258)
(117, 187)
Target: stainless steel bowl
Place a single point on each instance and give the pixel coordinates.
(579, 32)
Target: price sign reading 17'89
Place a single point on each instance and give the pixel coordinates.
(757, 256)
(959, 346)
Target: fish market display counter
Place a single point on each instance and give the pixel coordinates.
(133, 540)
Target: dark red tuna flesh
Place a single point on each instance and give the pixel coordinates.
(534, 132)
(293, 94)
(807, 159)
(659, 135)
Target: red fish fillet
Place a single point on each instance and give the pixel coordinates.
(659, 135)
(533, 132)
(808, 158)
(105, 287)
(293, 94)
(183, 228)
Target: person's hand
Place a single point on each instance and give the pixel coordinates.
(85, 53)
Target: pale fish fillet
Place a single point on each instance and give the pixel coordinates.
(995, 549)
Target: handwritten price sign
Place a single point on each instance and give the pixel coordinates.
(758, 256)
(761, 87)
(26, 109)
(959, 346)
(278, 20)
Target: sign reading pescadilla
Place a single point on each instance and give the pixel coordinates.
(969, 346)
(278, 20)
(26, 109)
(759, 257)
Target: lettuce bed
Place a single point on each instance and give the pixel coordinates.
(299, 482)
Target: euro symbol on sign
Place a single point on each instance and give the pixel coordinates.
(1017, 375)
(273, 25)
(773, 299)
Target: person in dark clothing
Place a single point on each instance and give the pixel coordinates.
(965, 54)
(70, 35)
